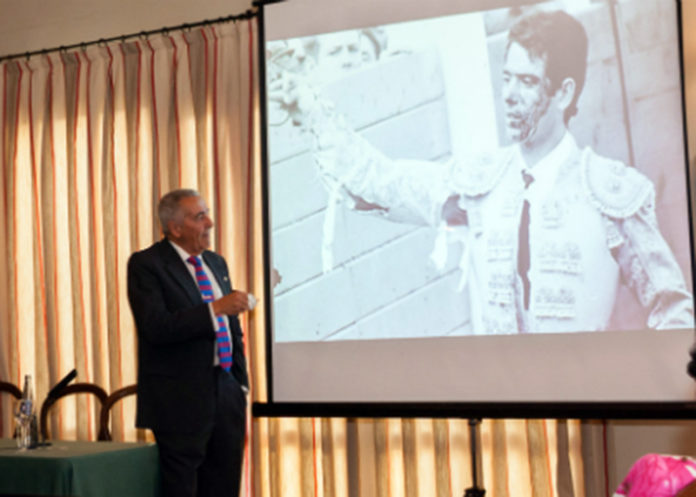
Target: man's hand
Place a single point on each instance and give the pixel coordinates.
(232, 303)
(452, 214)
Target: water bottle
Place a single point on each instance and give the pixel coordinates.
(25, 415)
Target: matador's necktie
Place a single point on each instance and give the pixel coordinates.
(223, 339)
(523, 243)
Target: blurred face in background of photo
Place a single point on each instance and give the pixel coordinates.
(345, 51)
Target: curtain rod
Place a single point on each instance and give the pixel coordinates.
(185, 26)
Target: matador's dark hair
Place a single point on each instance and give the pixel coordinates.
(561, 41)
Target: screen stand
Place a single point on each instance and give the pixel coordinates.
(474, 491)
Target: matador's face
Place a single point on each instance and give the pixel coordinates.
(525, 94)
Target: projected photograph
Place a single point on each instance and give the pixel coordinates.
(505, 172)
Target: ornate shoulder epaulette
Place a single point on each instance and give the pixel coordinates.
(479, 176)
(614, 188)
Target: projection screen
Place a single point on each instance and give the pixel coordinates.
(410, 262)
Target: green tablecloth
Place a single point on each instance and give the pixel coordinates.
(80, 469)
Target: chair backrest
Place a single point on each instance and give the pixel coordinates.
(75, 388)
(688, 491)
(115, 396)
(11, 388)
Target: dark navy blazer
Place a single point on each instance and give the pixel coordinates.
(176, 340)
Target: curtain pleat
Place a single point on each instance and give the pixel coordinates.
(90, 140)
(5, 403)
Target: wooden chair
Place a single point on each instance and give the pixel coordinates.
(11, 388)
(75, 388)
(115, 396)
(688, 491)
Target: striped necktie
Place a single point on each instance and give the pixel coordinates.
(224, 347)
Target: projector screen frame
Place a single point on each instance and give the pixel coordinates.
(465, 410)
(479, 410)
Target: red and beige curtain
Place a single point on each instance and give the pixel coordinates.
(89, 140)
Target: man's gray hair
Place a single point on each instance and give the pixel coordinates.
(168, 208)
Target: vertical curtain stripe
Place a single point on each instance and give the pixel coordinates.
(94, 256)
(521, 466)
(207, 124)
(448, 442)
(155, 123)
(14, 294)
(52, 251)
(550, 458)
(82, 325)
(111, 111)
(19, 357)
(177, 121)
(577, 468)
(5, 417)
(539, 474)
(388, 452)
(38, 218)
(24, 226)
(315, 465)
(262, 455)
(95, 115)
(136, 159)
(115, 147)
(505, 452)
(563, 467)
(37, 117)
(250, 249)
(249, 161)
(54, 213)
(217, 202)
(189, 163)
(397, 475)
(339, 457)
(37, 221)
(163, 76)
(4, 233)
(125, 200)
(146, 176)
(462, 453)
(76, 207)
(605, 450)
(64, 298)
(499, 467)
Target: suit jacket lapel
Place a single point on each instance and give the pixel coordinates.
(178, 270)
(219, 272)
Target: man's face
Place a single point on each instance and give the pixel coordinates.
(191, 230)
(343, 52)
(525, 94)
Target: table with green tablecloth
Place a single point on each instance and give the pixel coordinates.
(80, 469)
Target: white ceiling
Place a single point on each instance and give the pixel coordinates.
(27, 25)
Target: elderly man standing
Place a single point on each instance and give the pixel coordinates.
(192, 375)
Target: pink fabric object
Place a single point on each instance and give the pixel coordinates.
(657, 475)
